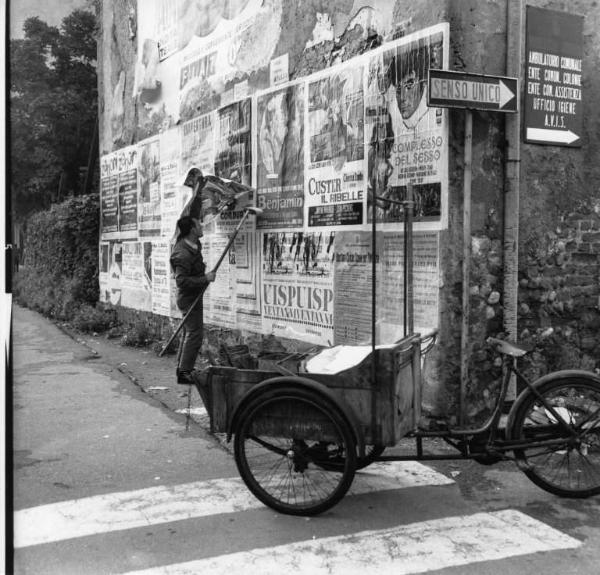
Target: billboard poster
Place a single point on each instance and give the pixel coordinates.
(136, 285)
(245, 257)
(126, 163)
(109, 200)
(166, 28)
(297, 285)
(115, 254)
(353, 273)
(219, 304)
(280, 157)
(233, 154)
(554, 78)
(198, 143)
(390, 295)
(155, 87)
(160, 276)
(149, 208)
(407, 142)
(173, 197)
(220, 44)
(104, 255)
(335, 176)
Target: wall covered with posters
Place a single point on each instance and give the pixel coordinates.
(326, 153)
(321, 108)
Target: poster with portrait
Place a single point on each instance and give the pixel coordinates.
(335, 177)
(149, 208)
(280, 157)
(297, 285)
(407, 142)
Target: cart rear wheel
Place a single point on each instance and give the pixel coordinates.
(282, 440)
(372, 452)
(569, 464)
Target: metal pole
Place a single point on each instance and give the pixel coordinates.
(466, 267)
(514, 24)
(409, 327)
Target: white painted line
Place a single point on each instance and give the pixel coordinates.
(414, 548)
(163, 504)
(197, 411)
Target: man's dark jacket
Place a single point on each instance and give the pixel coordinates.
(189, 269)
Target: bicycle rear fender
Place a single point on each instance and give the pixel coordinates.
(301, 383)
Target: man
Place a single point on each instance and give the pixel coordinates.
(191, 279)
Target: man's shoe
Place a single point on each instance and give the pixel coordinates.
(185, 377)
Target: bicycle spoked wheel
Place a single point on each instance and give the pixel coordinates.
(566, 461)
(282, 444)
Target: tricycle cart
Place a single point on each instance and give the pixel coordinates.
(300, 433)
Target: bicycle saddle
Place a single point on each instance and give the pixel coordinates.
(506, 347)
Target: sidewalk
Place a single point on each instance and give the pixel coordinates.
(154, 375)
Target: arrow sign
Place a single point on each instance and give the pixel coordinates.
(551, 136)
(449, 89)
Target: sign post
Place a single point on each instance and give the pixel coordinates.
(452, 89)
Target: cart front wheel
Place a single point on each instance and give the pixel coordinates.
(565, 456)
(283, 438)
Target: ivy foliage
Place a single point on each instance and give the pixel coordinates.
(59, 276)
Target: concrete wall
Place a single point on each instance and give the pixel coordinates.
(559, 217)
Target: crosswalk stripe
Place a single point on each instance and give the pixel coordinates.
(163, 504)
(414, 548)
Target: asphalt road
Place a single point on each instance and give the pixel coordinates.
(109, 478)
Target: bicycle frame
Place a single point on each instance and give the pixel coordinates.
(488, 438)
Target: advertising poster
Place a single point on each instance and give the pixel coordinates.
(335, 180)
(220, 43)
(166, 28)
(136, 285)
(233, 156)
(297, 285)
(407, 142)
(198, 143)
(149, 208)
(219, 299)
(280, 157)
(104, 264)
(156, 88)
(353, 273)
(109, 198)
(126, 164)
(173, 197)
(115, 254)
(390, 296)
(245, 259)
(160, 275)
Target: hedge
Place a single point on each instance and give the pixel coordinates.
(59, 276)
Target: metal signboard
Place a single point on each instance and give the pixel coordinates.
(553, 78)
(450, 89)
